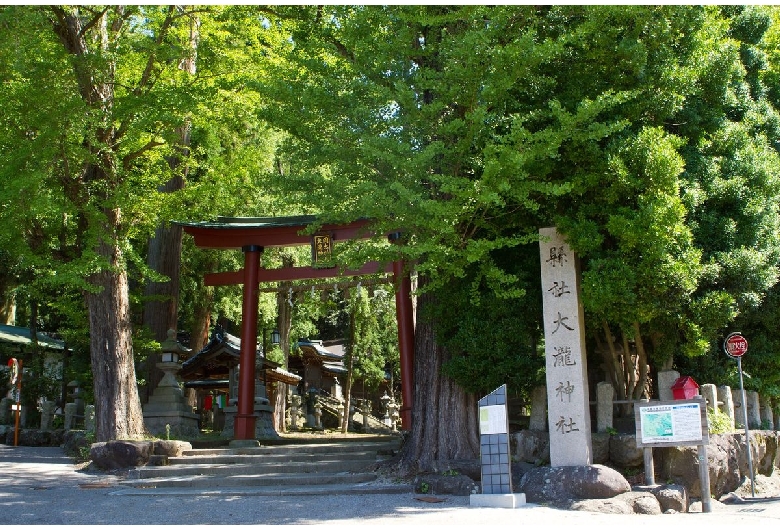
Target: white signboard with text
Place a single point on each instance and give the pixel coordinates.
(671, 423)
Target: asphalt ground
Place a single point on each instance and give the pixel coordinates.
(42, 486)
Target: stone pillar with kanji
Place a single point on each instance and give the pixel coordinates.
(568, 402)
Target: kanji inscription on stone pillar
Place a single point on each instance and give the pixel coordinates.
(568, 407)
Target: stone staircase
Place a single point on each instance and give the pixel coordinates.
(327, 466)
(375, 425)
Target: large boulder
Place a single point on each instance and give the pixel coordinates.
(615, 505)
(642, 502)
(555, 484)
(673, 498)
(170, 447)
(120, 454)
(724, 456)
(767, 456)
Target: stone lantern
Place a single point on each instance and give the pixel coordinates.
(166, 410)
(385, 405)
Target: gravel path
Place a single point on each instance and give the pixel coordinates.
(41, 486)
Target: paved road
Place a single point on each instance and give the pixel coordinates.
(41, 486)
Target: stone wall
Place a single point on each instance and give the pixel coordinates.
(726, 455)
(762, 412)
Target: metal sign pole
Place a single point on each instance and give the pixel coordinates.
(747, 429)
(19, 372)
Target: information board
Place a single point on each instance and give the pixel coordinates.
(671, 423)
(494, 443)
(492, 419)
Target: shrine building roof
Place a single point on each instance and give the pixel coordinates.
(20, 337)
(223, 352)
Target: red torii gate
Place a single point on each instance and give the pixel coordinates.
(252, 235)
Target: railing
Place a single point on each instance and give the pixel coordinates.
(332, 405)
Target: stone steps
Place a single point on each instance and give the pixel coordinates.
(298, 468)
(377, 447)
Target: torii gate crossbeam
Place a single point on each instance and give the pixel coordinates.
(252, 235)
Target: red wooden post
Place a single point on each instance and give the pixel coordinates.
(403, 314)
(244, 426)
(19, 403)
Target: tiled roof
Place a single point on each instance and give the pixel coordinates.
(21, 337)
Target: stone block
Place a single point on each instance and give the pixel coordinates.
(753, 410)
(739, 409)
(600, 446)
(623, 451)
(538, 419)
(767, 414)
(726, 403)
(666, 380)
(710, 393)
(532, 446)
(497, 500)
(605, 409)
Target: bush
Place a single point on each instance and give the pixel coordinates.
(718, 422)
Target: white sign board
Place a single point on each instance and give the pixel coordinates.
(492, 419)
(682, 422)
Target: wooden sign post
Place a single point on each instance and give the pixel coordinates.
(16, 379)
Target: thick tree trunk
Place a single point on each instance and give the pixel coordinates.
(7, 309)
(161, 310)
(118, 412)
(444, 418)
(201, 318)
(164, 256)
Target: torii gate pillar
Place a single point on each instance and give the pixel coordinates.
(405, 320)
(244, 426)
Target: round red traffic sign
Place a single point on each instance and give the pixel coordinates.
(735, 345)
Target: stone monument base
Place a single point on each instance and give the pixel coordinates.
(182, 424)
(264, 426)
(497, 500)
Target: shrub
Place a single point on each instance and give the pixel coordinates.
(718, 422)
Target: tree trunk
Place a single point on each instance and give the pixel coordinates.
(161, 310)
(201, 318)
(164, 256)
(642, 368)
(284, 320)
(350, 366)
(616, 368)
(629, 367)
(444, 417)
(118, 412)
(7, 308)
